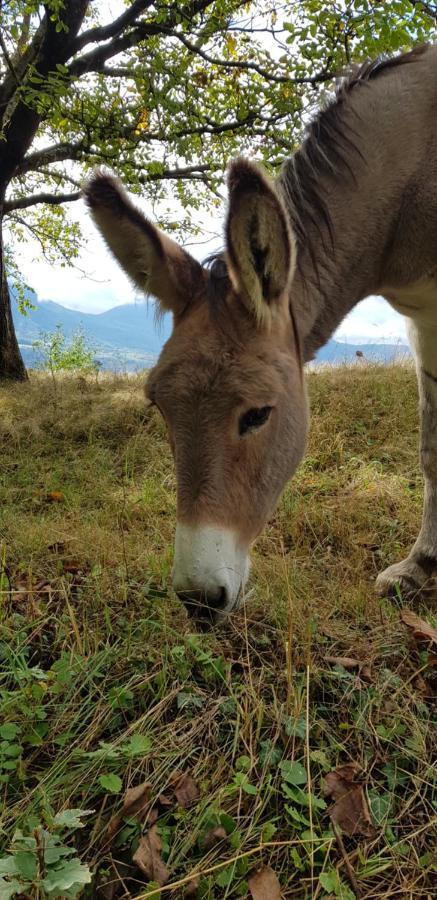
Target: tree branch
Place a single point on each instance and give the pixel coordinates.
(94, 61)
(48, 155)
(8, 60)
(34, 199)
(247, 66)
(105, 32)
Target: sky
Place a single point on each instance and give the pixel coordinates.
(99, 284)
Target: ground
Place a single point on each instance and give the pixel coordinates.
(104, 684)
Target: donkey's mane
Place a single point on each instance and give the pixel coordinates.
(330, 146)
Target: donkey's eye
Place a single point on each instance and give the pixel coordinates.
(254, 418)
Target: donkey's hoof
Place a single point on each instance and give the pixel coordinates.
(406, 579)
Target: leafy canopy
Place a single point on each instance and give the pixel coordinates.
(167, 93)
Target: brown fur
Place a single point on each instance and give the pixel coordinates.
(360, 199)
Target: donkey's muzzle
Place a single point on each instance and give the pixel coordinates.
(203, 607)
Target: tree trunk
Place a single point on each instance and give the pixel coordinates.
(11, 363)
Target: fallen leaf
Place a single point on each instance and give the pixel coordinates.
(191, 888)
(349, 662)
(366, 673)
(72, 567)
(423, 687)
(264, 885)
(148, 857)
(213, 837)
(55, 497)
(164, 800)
(135, 803)
(346, 661)
(349, 810)
(185, 790)
(422, 631)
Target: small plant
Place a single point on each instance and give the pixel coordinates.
(58, 354)
(43, 862)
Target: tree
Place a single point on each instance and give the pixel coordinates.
(164, 95)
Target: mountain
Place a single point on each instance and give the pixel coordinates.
(128, 337)
(125, 337)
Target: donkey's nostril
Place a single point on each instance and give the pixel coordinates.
(203, 604)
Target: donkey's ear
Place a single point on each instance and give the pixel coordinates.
(155, 263)
(260, 245)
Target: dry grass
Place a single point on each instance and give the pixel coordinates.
(93, 647)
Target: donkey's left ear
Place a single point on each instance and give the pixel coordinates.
(260, 244)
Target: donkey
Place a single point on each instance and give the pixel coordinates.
(352, 213)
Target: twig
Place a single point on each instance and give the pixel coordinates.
(347, 862)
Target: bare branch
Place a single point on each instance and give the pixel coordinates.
(8, 60)
(34, 199)
(105, 32)
(248, 66)
(47, 155)
(95, 60)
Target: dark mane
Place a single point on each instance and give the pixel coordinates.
(218, 283)
(328, 147)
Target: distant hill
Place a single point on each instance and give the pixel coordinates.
(127, 337)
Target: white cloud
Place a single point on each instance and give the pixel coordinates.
(375, 321)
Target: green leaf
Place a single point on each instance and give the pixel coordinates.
(296, 727)
(268, 830)
(12, 750)
(138, 744)
(9, 889)
(225, 877)
(243, 763)
(111, 783)
(380, 806)
(293, 772)
(329, 881)
(26, 864)
(8, 866)
(269, 754)
(71, 873)
(72, 818)
(9, 732)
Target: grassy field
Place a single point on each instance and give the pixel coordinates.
(104, 685)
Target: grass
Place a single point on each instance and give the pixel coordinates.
(104, 684)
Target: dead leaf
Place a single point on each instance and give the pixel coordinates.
(264, 885)
(213, 837)
(148, 857)
(366, 672)
(191, 888)
(55, 497)
(349, 662)
(346, 661)
(73, 567)
(135, 802)
(185, 790)
(349, 810)
(423, 687)
(422, 631)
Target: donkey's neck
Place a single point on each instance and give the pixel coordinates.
(345, 190)
(339, 271)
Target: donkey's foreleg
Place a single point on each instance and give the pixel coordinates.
(414, 574)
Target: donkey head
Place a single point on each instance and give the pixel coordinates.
(228, 381)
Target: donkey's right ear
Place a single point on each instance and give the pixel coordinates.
(155, 263)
